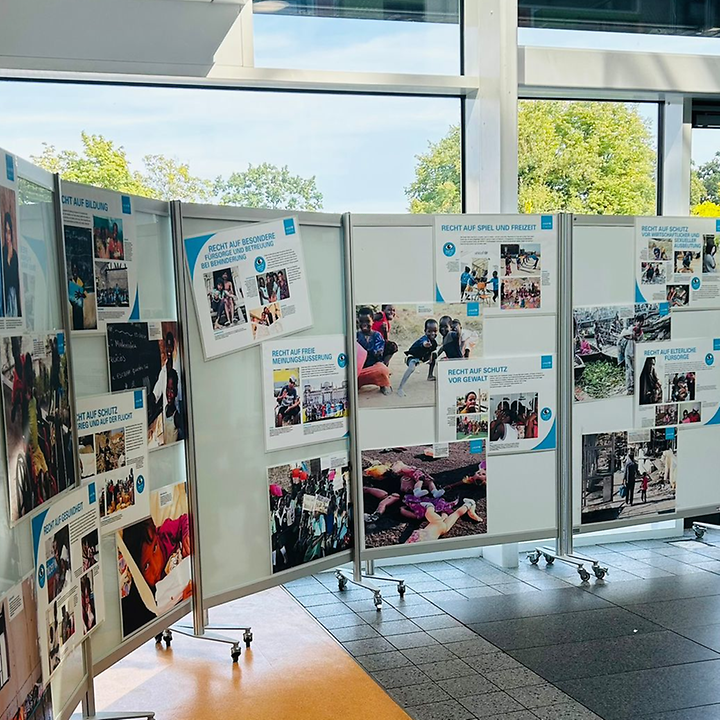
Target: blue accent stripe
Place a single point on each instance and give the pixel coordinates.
(549, 441)
(193, 247)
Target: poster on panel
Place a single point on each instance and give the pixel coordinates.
(628, 474)
(69, 581)
(678, 383)
(12, 303)
(305, 392)
(153, 560)
(605, 339)
(147, 355)
(676, 261)
(38, 423)
(398, 348)
(424, 493)
(510, 403)
(100, 235)
(22, 693)
(309, 510)
(498, 263)
(249, 284)
(113, 454)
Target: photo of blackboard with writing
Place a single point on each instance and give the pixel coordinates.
(147, 354)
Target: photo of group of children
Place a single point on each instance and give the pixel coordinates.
(21, 688)
(117, 493)
(424, 493)
(604, 346)
(153, 557)
(10, 300)
(672, 393)
(471, 415)
(37, 420)
(514, 417)
(310, 511)
(226, 302)
(393, 341)
(312, 400)
(628, 474)
(112, 284)
(273, 287)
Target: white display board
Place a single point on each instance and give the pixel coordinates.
(608, 278)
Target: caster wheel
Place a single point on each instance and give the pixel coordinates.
(247, 638)
(401, 589)
(600, 572)
(342, 584)
(699, 533)
(378, 602)
(584, 574)
(158, 639)
(533, 558)
(235, 655)
(549, 559)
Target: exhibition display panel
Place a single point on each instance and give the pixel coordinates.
(202, 402)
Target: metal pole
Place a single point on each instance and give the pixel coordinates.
(565, 384)
(181, 302)
(355, 455)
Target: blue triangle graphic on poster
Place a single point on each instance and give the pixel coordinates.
(548, 442)
(37, 525)
(715, 419)
(135, 314)
(438, 295)
(639, 297)
(193, 246)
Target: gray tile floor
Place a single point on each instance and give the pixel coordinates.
(470, 640)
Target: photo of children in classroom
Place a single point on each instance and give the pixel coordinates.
(423, 493)
(154, 559)
(398, 347)
(309, 511)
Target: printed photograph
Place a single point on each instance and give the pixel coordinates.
(81, 277)
(309, 512)
(109, 450)
(651, 381)
(514, 417)
(666, 415)
(471, 427)
(154, 560)
(265, 321)
(117, 493)
(38, 435)
(10, 262)
(628, 474)
(520, 293)
(87, 602)
(690, 412)
(605, 338)
(273, 287)
(710, 246)
(57, 566)
(61, 627)
(90, 549)
(477, 283)
(86, 453)
(225, 298)
(653, 273)
(687, 262)
(108, 239)
(660, 249)
(324, 398)
(111, 279)
(412, 494)
(147, 355)
(680, 387)
(4, 658)
(678, 295)
(398, 347)
(287, 397)
(520, 259)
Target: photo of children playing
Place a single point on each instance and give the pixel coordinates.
(37, 420)
(273, 286)
(653, 273)
(81, 277)
(628, 474)
(394, 341)
(688, 262)
(471, 415)
(225, 298)
(287, 397)
(112, 283)
(265, 321)
(477, 283)
(324, 398)
(520, 259)
(605, 338)
(87, 602)
(413, 494)
(514, 417)
(520, 293)
(108, 240)
(117, 494)
(154, 559)
(310, 515)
